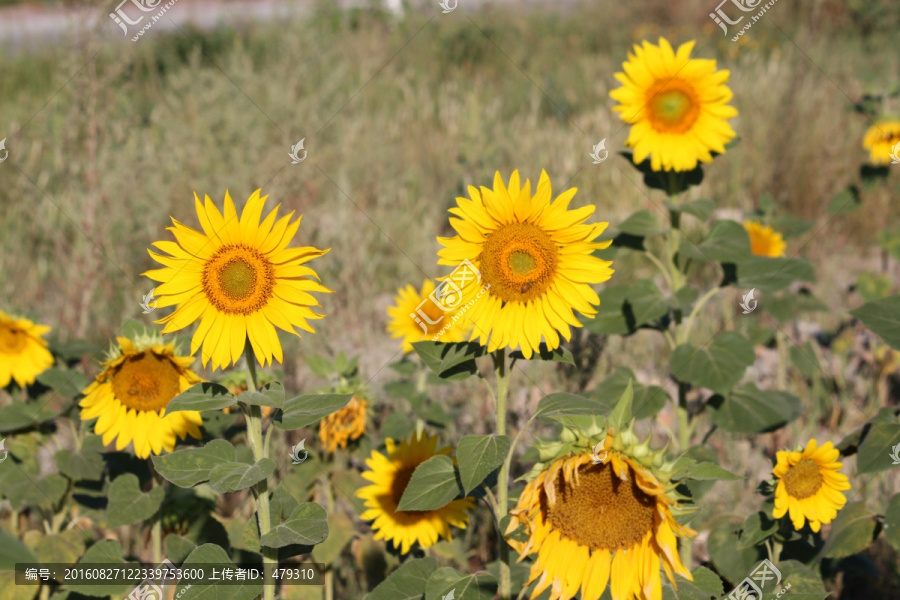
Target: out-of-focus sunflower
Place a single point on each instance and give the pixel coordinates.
(535, 257)
(809, 485)
(598, 519)
(764, 241)
(882, 140)
(677, 106)
(389, 476)
(407, 323)
(23, 350)
(239, 278)
(131, 394)
(345, 425)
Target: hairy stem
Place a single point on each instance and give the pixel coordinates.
(503, 478)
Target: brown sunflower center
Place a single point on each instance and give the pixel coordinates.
(602, 511)
(12, 339)
(803, 479)
(146, 381)
(401, 480)
(519, 261)
(672, 106)
(238, 280)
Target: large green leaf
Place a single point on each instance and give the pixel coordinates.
(60, 548)
(562, 404)
(203, 396)
(406, 583)
(610, 318)
(643, 224)
(302, 411)
(450, 361)
(340, 532)
(306, 526)
(68, 383)
(851, 531)
(705, 585)
(704, 471)
(128, 504)
(23, 415)
(13, 551)
(771, 274)
(732, 561)
(879, 447)
(726, 242)
(883, 318)
(210, 554)
(105, 552)
(718, 366)
(271, 394)
(86, 464)
(757, 527)
(559, 354)
(892, 522)
(702, 208)
(478, 455)
(235, 476)
(645, 303)
(178, 548)
(447, 583)
(23, 490)
(648, 399)
(804, 582)
(751, 410)
(434, 484)
(187, 468)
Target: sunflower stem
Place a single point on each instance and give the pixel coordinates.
(503, 478)
(329, 504)
(156, 529)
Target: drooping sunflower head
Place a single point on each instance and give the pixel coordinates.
(677, 106)
(882, 140)
(129, 398)
(239, 279)
(23, 350)
(345, 425)
(389, 476)
(764, 240)
(534, 261)
(416, 316)
(599, 518)
(809, 485)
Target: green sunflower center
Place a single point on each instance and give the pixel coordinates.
(672, 106)
(146, 381)
(12, 339)
(519, 261)
(602, 511)
(238, 280)
(803, 479)
(401, 480)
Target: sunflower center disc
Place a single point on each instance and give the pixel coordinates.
(401, 480)
(238, 280)
(602, 511)
(12, 341)
(803, 479)
(146, 382)
(519, 261)
(673, 106)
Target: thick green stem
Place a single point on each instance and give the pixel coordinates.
(329, 504)
(684, 441)
(503, 478)
(156, 528)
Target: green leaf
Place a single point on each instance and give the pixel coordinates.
(307, 526)
(450, 361)
(560, 355)
(648, 399)
(128, 504)
(643, 224)
(717, 366)
(877, 448)
(563, 404)
(751, 410)
(434, 484)
(68, 383)
(845, 202)
(187, 468)
(478, 456)
(851, 531)
(772, 274)
(271, 394)
(757, 527)
(891, 522)
(13, 551)
(726, 242)
(200, 397)
(60, 548)
(883, 318)
(209, 554)
(732, 561)
(646, 304)
(872, 287)
(178, 548)
(805, 582)
(83, 465)
(480, 586)
(22, 415)
(804, 359)
(406, 583)
(707, 471)
(107, 552)
(307, 409)
(22, 490)
(705, 585)
(235, 476)
(621, 414)
(340, 532)
(701, 208)
(610, 318)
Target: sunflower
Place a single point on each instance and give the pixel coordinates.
(408, 322)
(594, 522)
(677, 106)
(344, 425)
(389, 476)
(809, 485)
(764, 241)
(131, 394)
(881, 140)
(535, 261)
(239, 279)
(23, 352)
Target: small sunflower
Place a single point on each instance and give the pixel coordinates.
(764, 241)
(593, 522)
(239, 278)
(131, 394)
(410, 326)
(809, 485)
(389, 476)
(536, 263)
(677, 106)
(23, 352)
(345, 425)
(882, 140)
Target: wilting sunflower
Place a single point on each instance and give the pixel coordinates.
(595, 519)
(131, 394)
(881, 140)
(345, 425)
(23, 352)
(409, 324)
(677, 106)
(535, 261)
(389, 476)
(239, 278)
(809, 485)
(764, 241)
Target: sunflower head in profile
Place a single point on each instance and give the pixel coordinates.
(389, 476)
(535, 263)
(600, 517)
(239, 279)
(129, 397)
(882, 140)
(677, 106)
(764, 241)
(23, 350)
(809, 485)
(345, 425)
(416, 317)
